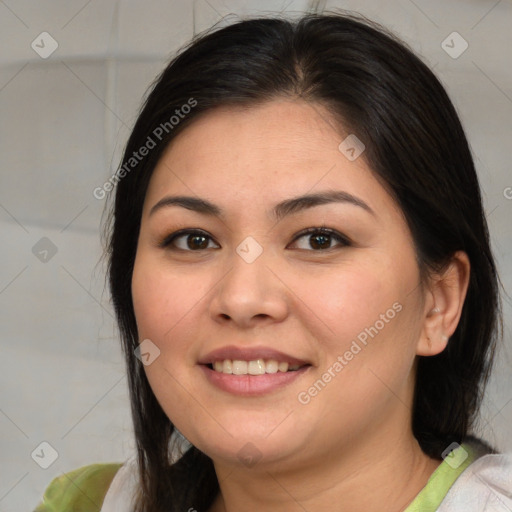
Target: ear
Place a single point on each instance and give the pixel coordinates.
(443, 305)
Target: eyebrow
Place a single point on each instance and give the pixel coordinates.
(280, 210)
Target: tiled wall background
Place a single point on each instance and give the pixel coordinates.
(63, 122)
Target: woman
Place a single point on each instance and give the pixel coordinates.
(298, 262)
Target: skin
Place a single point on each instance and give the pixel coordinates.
(352, 444)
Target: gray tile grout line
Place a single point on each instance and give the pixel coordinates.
(13, 13)
(55, 226)
(500, 409)
(16, 74)
(492, 81)
(13, 217)
(214, 8)
(74, 218)
(283, 9)
(492, 8)
(74, 426)
(13, 279)
(492, 211)
(316, 6)
(74, 16)
(424, 13)
(14, 423)
(87, 87)
(87, 291)
(5, 495)
(62, 230)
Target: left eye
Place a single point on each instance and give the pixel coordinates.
(320, 237)
(196, 240)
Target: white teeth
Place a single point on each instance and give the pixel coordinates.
(228, 367)
(271, 366)
(255, 367)
(240, 367)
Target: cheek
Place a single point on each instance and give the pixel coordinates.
(367, 316)
(145, 291)
(350, 300)
(169, 305)
(366, 357)
(160, 300)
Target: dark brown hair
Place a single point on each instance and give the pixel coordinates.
(377, 88)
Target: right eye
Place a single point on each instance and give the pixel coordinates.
(194, 240)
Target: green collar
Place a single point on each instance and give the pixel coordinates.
(439, 483)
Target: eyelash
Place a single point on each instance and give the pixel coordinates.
(168, 240)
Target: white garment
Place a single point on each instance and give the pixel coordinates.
(120, 495)
(484, 486)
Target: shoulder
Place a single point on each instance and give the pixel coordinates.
(82, 489)
(486, 484)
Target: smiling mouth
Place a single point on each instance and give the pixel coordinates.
(254, 367)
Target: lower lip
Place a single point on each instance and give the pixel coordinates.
(251, 385)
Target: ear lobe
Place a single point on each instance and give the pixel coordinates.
(444, 306)
(429, 346)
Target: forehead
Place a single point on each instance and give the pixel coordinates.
(289, 129)
(262, 154)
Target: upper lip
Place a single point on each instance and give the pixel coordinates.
(249, 354)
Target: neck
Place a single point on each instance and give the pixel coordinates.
(382, 477)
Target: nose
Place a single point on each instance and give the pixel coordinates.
(251, 292)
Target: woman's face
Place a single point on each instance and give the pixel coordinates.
(348, 311)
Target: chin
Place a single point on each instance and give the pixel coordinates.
(245, 449)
